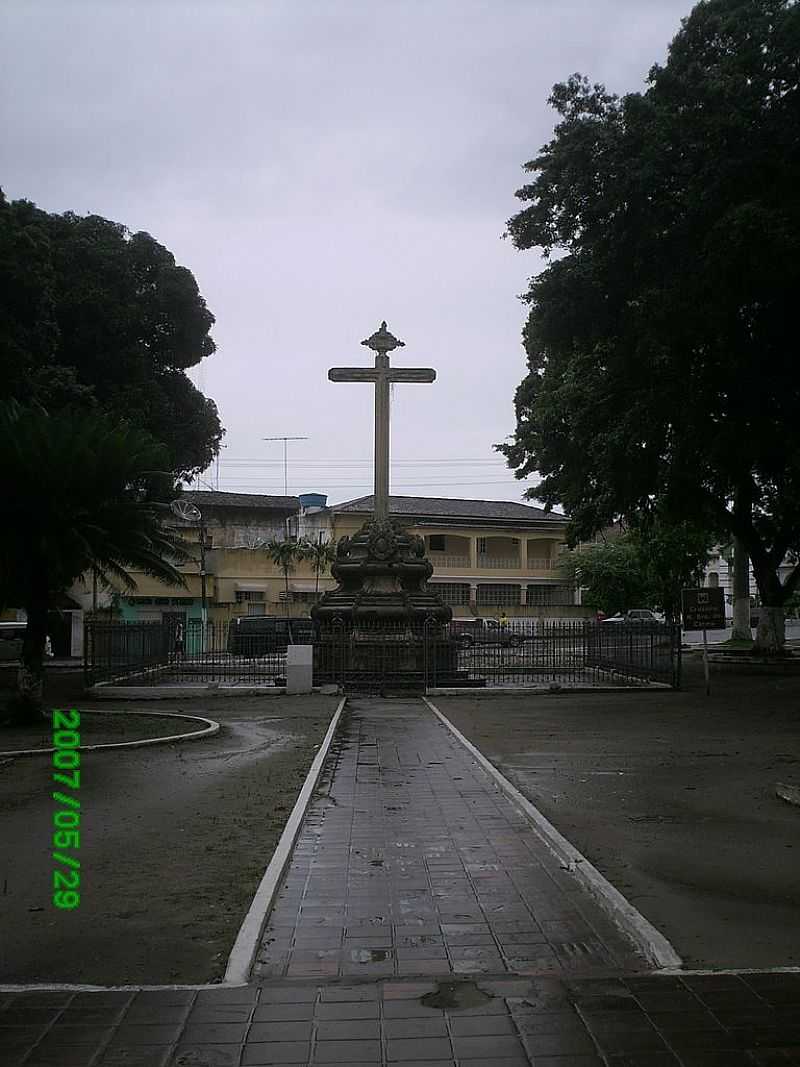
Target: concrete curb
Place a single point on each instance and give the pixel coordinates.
(84, 987)
(546, 690)
(211, 727)
(410, 980)
(628, 920)
(165, 692)
(240, 961)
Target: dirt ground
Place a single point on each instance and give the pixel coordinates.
(671, 796)
(175, 839)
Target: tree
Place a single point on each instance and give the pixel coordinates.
(661, 337)
(80, 492)
(93, 315)
(320, 554)
(284, 554)
(646, 566)
(609, 574)
(671, 557)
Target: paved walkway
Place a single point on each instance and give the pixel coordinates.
(416, 864)
(653, 1021)
(420, 924)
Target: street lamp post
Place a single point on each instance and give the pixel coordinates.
(191, 513)
(203, 600)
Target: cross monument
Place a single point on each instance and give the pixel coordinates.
(382, 343)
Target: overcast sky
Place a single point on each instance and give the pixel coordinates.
(320, 167)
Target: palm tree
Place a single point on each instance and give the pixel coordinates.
(82, 491)
(320, 554)
(284, 554)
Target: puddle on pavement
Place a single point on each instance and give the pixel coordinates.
(370, 955)
(455, 996)
(248, 738)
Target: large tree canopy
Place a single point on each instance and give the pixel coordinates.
(95, 315)
(661, 339)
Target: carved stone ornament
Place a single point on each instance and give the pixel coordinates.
(381, 572)
(382, 541)
(382, 341)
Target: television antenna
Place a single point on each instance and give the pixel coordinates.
(285, 458)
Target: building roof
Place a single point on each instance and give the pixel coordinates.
(207, 498)
(444, 507)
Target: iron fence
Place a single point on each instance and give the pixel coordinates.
(531, 652)
(166, 653)
(379, 656)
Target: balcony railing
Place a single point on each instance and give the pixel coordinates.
(447, 562)
(441, 559)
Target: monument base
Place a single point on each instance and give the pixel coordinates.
(382, 626)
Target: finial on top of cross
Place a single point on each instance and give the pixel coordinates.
(383, 341)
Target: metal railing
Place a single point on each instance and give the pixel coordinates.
(441, 559)
(379, 656)
(531, 652)
(156, 653)
(500, 562)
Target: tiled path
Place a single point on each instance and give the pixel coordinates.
(414, 894)
(416, 864)
(653, 1021)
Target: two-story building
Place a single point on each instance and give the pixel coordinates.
(489, 557)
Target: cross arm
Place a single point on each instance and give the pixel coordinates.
(352, 374)
(412, 374)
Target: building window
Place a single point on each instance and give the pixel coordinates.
(481, 546)
(247, 596)
(549, 596)
(451, 592)
(305, 596)
(254, 608)
(496, 595)
(436, 542)
(713, 580)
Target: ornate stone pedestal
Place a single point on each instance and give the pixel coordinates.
(382, 626)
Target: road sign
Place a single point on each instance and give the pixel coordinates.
(703, 609)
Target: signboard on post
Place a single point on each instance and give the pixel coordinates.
(703, 609)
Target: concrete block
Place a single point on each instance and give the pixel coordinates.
(299, 668)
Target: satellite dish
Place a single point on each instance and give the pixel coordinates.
(186, 511)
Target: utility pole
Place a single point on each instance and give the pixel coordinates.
(285, 469)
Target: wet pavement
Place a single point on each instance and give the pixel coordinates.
(722, 1020)
(421, 923)
(412, 862)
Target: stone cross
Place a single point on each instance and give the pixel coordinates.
(381, 343)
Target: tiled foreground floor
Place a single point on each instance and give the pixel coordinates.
(414, 863)
(692, 1021)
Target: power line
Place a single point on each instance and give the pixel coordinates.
(368, 484)
(364, 463)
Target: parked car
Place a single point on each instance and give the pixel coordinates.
(258, 635)
(12, 634)
(635, 615)
(469, 632)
